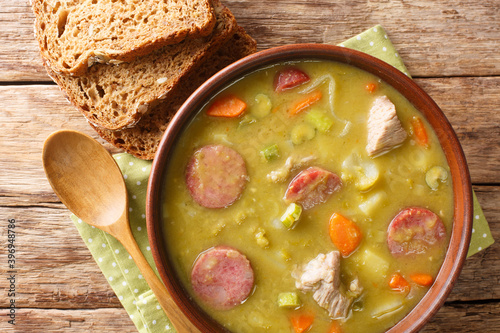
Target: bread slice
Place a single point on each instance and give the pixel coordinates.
(143, 139)
(116, 97)
(75, 34)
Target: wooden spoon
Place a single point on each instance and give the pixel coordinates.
(88, 181)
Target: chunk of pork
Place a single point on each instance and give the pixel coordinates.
(384, 128)
(322, 276)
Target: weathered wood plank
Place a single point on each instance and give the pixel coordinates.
(19, 56)
(466, 318)
(462, 318)
(56, 269)
(472, 107)
(41, 320)
(436, 38)
(28, 115)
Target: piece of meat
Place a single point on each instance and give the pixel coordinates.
(289, 78)
(312, 186)
(321, 275)
(216, 176)
(414, 230)
(384, 128)
(292, 163)
(222, 277)
(323, 268)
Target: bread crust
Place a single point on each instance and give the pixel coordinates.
(73, 35)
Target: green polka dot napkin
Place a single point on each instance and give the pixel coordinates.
(119, 268)
(114, 261)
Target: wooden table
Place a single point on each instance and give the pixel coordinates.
(450, 47)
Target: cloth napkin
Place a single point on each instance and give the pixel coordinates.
(120, 270)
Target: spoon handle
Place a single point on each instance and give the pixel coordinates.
(176, 316)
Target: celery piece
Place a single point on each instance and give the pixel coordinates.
(319, 120)
(288, 300)
(292, 215)
(434, 174)
(271, 152)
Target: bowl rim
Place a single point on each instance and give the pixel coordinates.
(448, 274)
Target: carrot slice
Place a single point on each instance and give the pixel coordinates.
(422, 279)
(228, 106)
(335, 328)
(371, 87)
(399, 283)
(302, 322)
(419, 132)
(306, 102)
(344, 233)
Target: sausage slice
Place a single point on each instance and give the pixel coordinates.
(222, 277)
(312, 186)
(289, 78)
(216, 176)
(414, 230)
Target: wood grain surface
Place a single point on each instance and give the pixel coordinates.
(451, 47)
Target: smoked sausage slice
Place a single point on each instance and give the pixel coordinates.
(414, 230)
(312, 186)
(222, 277)
(289, 78)
(216, 176)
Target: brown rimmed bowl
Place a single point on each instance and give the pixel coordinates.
(462, 189)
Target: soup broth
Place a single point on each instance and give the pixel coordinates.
(321, 123)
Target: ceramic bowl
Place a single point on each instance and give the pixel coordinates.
(462, 223)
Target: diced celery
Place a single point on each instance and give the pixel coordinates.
(262, 106)
(292, 215)
(320, 120)
(271, 152)
(434, 174)
(302, 133)
(288, 300)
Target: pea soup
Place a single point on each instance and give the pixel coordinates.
(308, 196)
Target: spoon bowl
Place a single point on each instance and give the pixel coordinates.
(75, 162)
(88, 181)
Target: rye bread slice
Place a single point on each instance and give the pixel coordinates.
(75, 34)
(143, 139)
(116, 97)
